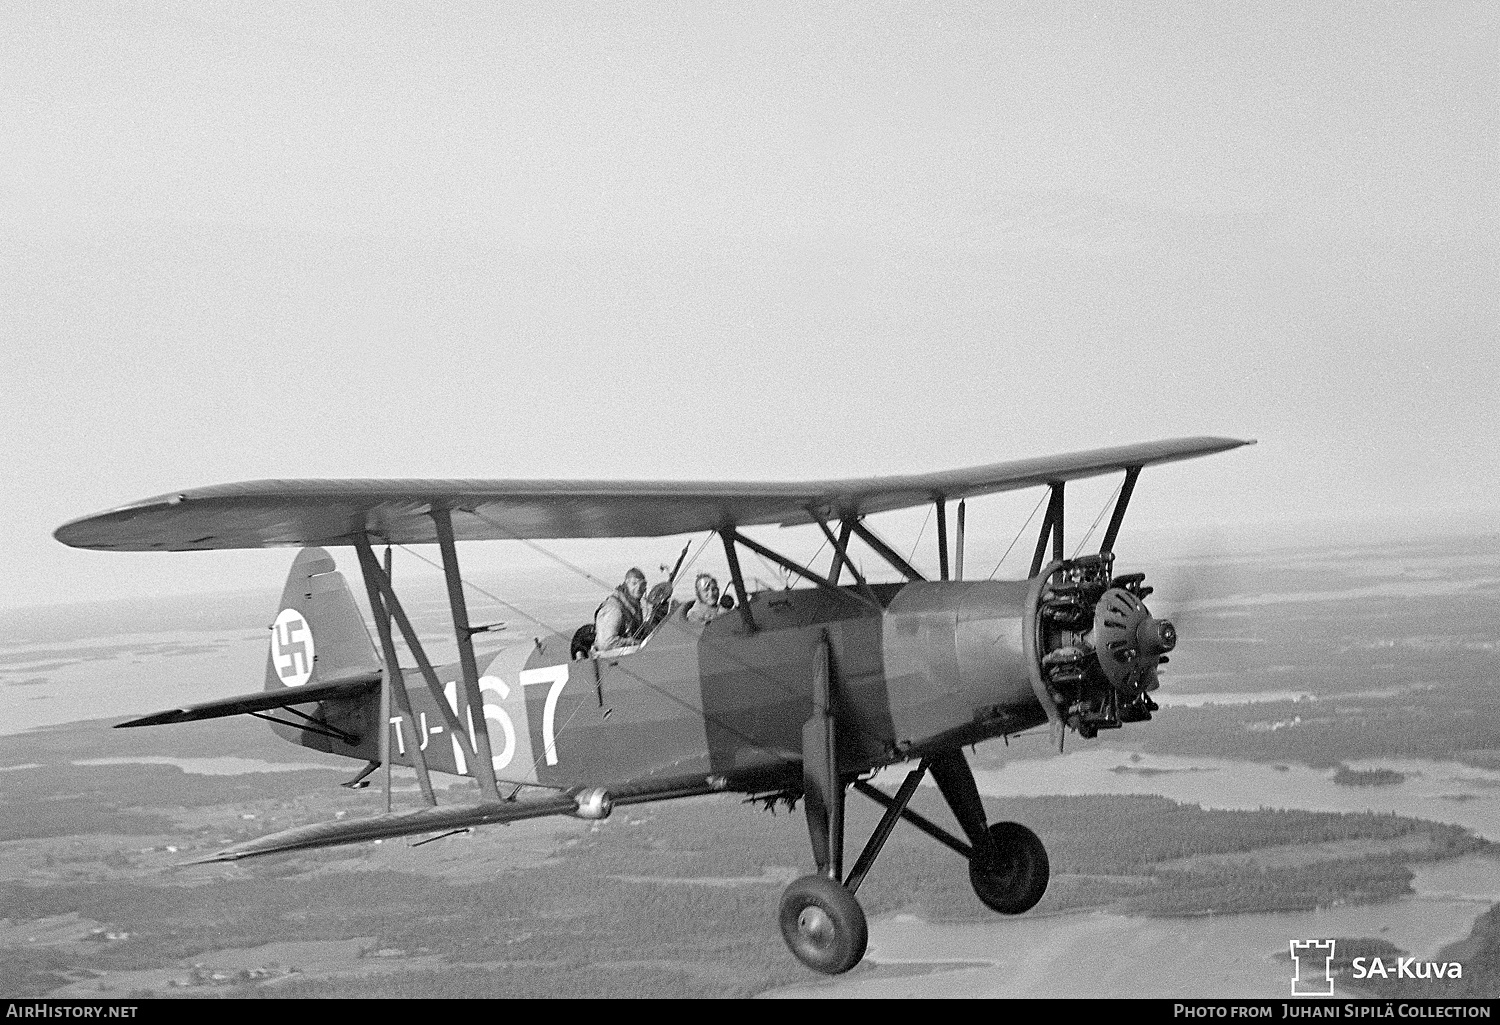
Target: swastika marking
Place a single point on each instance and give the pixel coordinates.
(292, 648)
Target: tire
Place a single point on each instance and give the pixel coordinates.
(1012, 876)
(823, 925)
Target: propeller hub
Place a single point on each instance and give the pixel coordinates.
(1130, 641)
(1098, 644)
(1156, 636)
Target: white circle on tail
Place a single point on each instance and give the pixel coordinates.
(292, 648)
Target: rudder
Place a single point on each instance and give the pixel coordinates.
(319, 635)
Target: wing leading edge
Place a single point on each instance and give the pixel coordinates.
(278, 513)
(261, 701)
(587, 803)
(406, 823)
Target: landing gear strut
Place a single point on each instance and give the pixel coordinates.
(820, 918)
(1007, 863)
(821, 921)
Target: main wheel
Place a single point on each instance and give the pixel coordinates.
(1012, 876)
(823, 925)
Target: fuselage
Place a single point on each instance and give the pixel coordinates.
(940, 663)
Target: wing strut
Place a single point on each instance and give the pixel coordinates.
(782, 560)
(840, 550)
(413, 643)
(942, 518)
(841, 557)
(1118, 517)
(727, 536)
(958, 544)
(394, 684)
(884, 550)
(479, 734)
(1052, 524)
(378, 610)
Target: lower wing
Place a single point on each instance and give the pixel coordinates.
(585, 803)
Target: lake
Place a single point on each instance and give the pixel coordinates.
(1098, 954)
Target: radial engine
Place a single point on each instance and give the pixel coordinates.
(1098, 644)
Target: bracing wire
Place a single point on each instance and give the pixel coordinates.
(918, 541)
(476, 588)
(788, 574)
(781, 572)
(1018, 535)
(682, 573)
(815, 555)
(1098, 519)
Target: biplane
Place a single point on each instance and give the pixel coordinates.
(796, 695)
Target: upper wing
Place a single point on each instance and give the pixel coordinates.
(275, 513)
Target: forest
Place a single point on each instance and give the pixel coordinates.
(678, 899)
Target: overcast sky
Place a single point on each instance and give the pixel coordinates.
(744, 241)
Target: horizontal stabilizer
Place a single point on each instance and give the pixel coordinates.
(348, 687)
(406, 823)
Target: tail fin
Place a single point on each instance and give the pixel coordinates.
(319, 635)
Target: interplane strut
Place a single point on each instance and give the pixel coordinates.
(479, 736)
(394, 685)
(1052, 524)
(1113, 531)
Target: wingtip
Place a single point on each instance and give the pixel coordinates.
(69, 534)
(155, 719)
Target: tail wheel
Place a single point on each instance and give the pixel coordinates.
(823, 925)
(1012, 875)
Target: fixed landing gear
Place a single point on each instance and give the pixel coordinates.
(820, 918)
(821, 921)
(1012, 876)
(823, 925)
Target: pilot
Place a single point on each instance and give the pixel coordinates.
(618, 620)
(705, 607)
